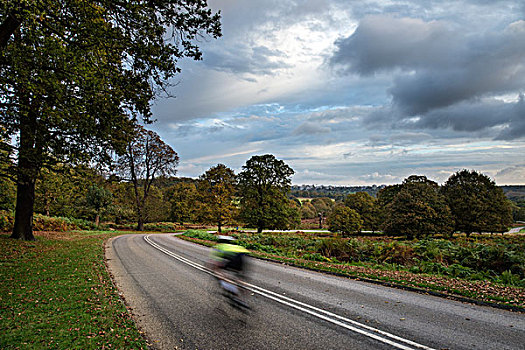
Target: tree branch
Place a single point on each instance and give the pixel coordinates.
(7, 29)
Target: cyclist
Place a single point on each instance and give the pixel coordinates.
(229, 265)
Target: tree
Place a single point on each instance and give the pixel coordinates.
(157, 206)
(477, 204)
(216, 191)
(417, 209)
(263, 184)
(182, 197)
(308, 210)
(146, 157)
(323, 205)
(367, 208)
(99, 199)
(123, 200)
(345, 220)
(518, 210)
(75, 76)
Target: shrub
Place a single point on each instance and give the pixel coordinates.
(336, 248)
(162, 227)
(456, 270)
(6, 221)
(507, 277)
(201, 235)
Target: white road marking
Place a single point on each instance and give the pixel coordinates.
(371, 332)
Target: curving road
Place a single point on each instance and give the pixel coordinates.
(174, 301)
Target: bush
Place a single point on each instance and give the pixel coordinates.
(199, 234)
(335, 248)
(47, 223)
(6, 221)
(508, 278)
(456, 270)
(162, 227)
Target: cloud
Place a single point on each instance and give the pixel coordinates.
(382, 43)
(444, 77)
(511, 175)
(310, 128)
(380, 178)
(405, 138)
(246, 60)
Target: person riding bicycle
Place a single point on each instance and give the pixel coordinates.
(229, 263)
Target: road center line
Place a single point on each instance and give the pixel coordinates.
(341, 321)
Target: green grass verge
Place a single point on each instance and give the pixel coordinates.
(56, 293)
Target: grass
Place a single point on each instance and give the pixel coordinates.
(56, 293)
(432, 265)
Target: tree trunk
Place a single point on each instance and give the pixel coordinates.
(97, 220)
(25, 199)
(29, 163)
(140, 224)
(219, 227)
(7, 28)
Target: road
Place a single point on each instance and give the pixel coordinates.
(175, 302)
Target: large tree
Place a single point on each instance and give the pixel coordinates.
(264, 184)
(417, 209)
(146, 158)
(367, 207)
(99, 199)
(76, 75)
(216, 191)
(182, 198)
(345, 220)
(477, 204)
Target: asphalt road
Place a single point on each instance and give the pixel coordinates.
(175, 302)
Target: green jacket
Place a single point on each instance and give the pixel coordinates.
(225, 250)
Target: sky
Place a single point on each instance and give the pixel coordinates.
(355, 92)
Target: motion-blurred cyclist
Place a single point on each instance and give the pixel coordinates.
(229, 265)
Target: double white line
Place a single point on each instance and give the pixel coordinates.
(371, 332)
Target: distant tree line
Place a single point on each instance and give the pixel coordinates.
(467, 202)
(337, 193)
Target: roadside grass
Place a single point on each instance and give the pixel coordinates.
(56, 293)
(433, 265)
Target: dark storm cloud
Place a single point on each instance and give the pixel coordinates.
(505, 119)
(382, 43)
(509, 118)
(444, 77)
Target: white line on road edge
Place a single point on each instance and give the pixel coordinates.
(341, 321)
